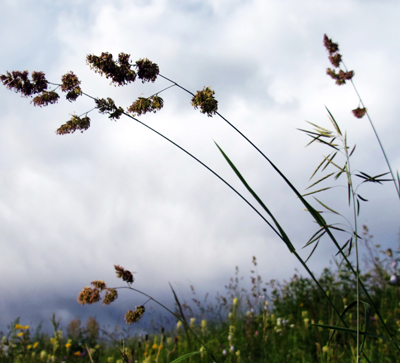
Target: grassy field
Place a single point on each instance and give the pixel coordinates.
(271, 322)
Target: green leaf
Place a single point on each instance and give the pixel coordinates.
(185, 356)
(316, 191)
(335, 125)
(325, 206)
(284, 237)
(320, 180)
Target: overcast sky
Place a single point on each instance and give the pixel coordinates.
(73, 206)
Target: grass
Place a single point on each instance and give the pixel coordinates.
(268, 322)
(346, 314)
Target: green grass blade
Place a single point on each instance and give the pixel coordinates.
(316, 191)
(285, 238)
(320, 180)
(326, 207)
(185, 356)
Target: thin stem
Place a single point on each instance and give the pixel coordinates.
(376, 135)
(171, 312)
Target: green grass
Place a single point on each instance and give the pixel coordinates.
(270, 322)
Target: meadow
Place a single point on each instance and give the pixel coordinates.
(269, 322)
(351, 313)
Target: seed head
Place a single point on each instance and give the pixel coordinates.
(76, 123)
(101, 285)
(89, 296)
(143, 105)
(46, 98)
(124, 274)
(110, 296)
(147, 70)
(134, 316)
(330, 46)
(206, 101)
(359, 112)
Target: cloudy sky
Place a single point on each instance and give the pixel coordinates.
(72, 206)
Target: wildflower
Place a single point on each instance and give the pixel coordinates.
(29, 346)
(76, 123)
(224, 352)
(154, 346)
(232, 348)
(35, 345)
(235, 301)
(394, 264)
(279, 321)
(101, 285)
(206, 101)
(192, 321)
(43, 355)
(256, 333)
(359, 112)
(77, 354)
(134, 316)
(89, 296)
(110, 296)
(70, 84)
(178, 325)
(20, 334)
(124, 274)
(325, 349)
(393, 279)
(147, 70)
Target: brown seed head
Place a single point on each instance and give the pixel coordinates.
(335, 59)
(124, 274)
(46, 98)
(330, 46)
(76, 123)
(206, 101)
(143, 105)
(108, 106)
(359, 112)
(101, 285)
(134, 316)
(119, 71)
(147, 70)
(89, 296)
(110, 296)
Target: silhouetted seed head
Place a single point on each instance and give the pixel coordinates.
(101, 285)
(340, 77)
(330, 46)
(124, 274)
(70, 84)
(120, 73)
(335, 59)
(134, 316)
(147, 70)
(110, 296)
(20, 83)
(143, 105)
(206, 101)
(107, 106)
(359, 112)
(46, 98)
(76, 123)
(89, 296)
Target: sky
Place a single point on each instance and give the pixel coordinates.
(73, 206)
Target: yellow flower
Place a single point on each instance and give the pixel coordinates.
(154, 346)
(35, 345)
(325, 349)
(68, 345)
(29, 347)
(20, 334)
(77, 354)
(17, 326)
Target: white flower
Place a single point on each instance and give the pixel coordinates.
(393, 279)
(232, 348)
(224, 352)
